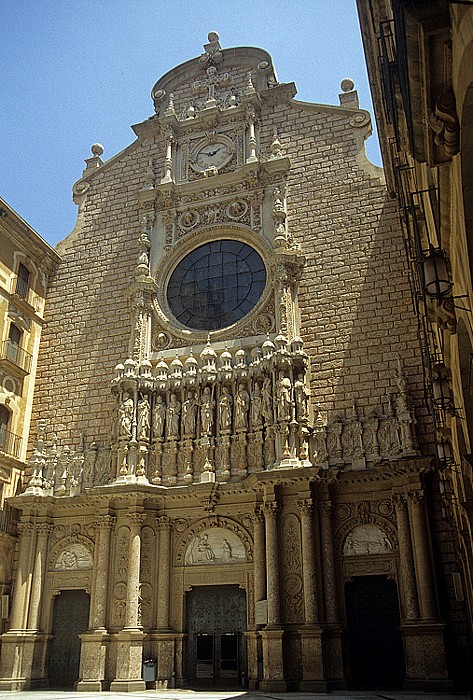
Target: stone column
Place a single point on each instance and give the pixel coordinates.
(259, 557)
(424, 643)
(164, 526)
(259, 589)
(332, 647)
(130, 639)
(311, 634)
(20, 591)
(270, 510)
(328, 559)
(406, 562)
(308, 562)
(93, 646)
(134, 560)
(273, 666)
(425, 578)
(98, 607)
(166, 639)
(42, 537)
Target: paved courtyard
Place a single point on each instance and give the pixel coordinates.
(213, 695)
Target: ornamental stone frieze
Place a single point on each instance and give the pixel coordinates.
(220, 417)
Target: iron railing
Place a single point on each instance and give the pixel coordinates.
(21, 289)
(14, 353)
(10, 443)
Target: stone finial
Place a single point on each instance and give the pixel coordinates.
(349, 96)
(95, 161)
(213, 51)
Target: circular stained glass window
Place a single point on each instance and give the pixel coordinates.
(216, 285)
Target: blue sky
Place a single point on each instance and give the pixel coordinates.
(77, 73)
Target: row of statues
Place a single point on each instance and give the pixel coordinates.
(221, 409)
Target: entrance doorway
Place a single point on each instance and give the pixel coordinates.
(216, 649)
(70, 619)
(374, 640)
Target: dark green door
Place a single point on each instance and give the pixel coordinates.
(374, 640)
(70, 619)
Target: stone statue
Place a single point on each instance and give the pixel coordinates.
(143, 418)
(207, 405)
(267, 407)
(173, 413)
(159, 417)
(256, 408)
(226, 550)
(125, 415)
(242, 403)
(283, 392)
(302, 400)
(225, 410)
(189, 412)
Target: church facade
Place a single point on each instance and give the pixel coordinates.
(232, 481)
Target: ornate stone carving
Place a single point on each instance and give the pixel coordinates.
(293, 600)
(75, 556)
(215, 546)
(367, 539)
(187, 548)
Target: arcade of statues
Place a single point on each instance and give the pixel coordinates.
(221, 418)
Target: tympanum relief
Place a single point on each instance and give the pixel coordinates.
(215, 546)
(72, 558)
(367, 539)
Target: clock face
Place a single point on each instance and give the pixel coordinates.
(212, 155)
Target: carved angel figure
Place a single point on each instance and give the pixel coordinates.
(267, 408)
(173, 413)
(159, 416)
(125, 415)
(256, 409)
(207, 405)
(143, 418)
(189, 412)
(242, 403)
(302, 398)
(284, 398)
(225, 410)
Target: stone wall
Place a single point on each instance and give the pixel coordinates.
(356, 315)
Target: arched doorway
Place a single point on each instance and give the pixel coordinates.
(375, 646)
(215, 625)
(70, 619)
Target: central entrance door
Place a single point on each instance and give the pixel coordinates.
(70, 619)
(216, 649)
(374, 639)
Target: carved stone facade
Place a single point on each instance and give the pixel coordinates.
(261, 442)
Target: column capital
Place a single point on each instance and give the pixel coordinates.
(399, 499)
(164, 522)
(136, 519)
(257, 516)
(416, 497)
(306, 505)
(106, 522)
(25, 528)
(44, 529)
(325, 506)
(270, 509)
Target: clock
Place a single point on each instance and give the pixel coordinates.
(213, 153)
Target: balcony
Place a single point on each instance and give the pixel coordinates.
(10, 444)
(15, 359)
(21, 290)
